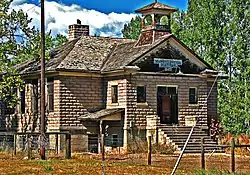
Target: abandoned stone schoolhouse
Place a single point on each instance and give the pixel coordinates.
(128, 88)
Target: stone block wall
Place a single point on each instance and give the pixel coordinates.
(78, 95)
(138, 112)
(212, 101)
(27, 121)
(73, 97)
(122, 93)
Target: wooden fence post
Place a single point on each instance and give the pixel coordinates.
(202, 154)
(103, 153)
(56, 144)
(102, 145)
(68, 146)
(15, 139)
(149, 150)
(233, 155)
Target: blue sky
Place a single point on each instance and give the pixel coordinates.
(118, 6)
(105, 17)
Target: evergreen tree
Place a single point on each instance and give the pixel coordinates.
(133, 29)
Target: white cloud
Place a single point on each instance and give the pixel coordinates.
(59, 17)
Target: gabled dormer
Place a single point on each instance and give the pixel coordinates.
(156, 22)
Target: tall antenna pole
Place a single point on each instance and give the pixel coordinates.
(42, 144)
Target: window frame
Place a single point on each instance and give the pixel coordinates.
(114, 93)
(143, 94)
(50, 94)
(35, 95)
(115, 140)
(194, 96)
(22, 101)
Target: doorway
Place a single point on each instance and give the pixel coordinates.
(93, 143)
(167, 104)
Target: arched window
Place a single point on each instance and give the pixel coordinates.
(148, 20)
(164, 20)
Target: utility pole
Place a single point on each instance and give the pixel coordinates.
(42, 85)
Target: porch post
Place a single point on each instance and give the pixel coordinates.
(125, 132)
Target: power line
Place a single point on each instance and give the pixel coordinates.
(30, 8)
(34, 5)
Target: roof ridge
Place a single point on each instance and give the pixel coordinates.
(151, 48)
(77, 40)
(109, 55)
(156, 5)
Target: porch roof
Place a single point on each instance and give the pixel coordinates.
(102, 114)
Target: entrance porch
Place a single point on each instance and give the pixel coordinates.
(108, 122)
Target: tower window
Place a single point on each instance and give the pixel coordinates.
(164, 20)
(148, 20)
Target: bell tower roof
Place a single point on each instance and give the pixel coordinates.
(156, 6)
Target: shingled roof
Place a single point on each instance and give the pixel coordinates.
(95, 54)
(101, 114)
(156, 5)
(82, 54)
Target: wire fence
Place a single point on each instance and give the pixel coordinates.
(137, 154)
(29, 144)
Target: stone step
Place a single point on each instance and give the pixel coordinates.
(192, 139)
(183, 132)
(195, 143)
(179, 129)
(186, 135)
(199, 149)
(184, 138)
(206, 151)
(178, 136)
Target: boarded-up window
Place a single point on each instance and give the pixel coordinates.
(50, 94)
(193, 96)
(141, 94)
(114, 93)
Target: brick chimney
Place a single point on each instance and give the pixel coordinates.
(77, 30)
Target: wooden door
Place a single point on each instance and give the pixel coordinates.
(167, 105)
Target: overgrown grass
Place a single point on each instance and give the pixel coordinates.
(47, 165)
(139, 145)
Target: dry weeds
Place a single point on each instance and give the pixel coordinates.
(116, 164)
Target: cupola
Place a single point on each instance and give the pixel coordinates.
(156, 22)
